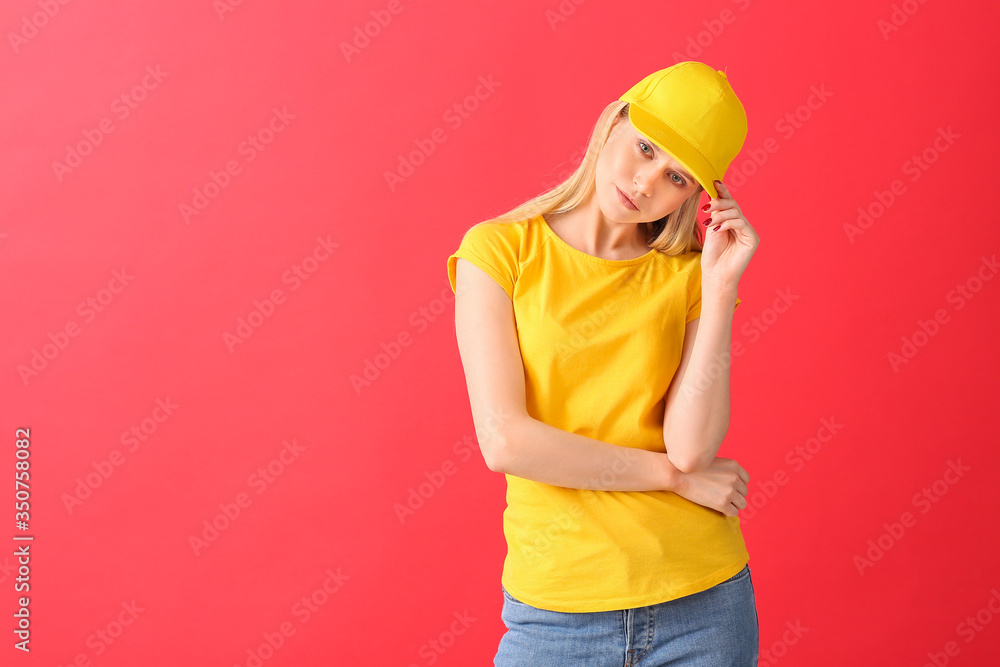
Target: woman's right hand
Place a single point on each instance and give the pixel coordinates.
(722, 486)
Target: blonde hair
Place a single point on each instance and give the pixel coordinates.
(673, 234)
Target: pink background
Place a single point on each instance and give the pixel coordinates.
(298, 317)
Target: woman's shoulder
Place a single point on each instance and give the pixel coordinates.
(687, 262)
(510, 226)
(512, 235)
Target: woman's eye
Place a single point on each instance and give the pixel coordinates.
(679, 179)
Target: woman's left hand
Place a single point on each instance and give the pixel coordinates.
(726, 251)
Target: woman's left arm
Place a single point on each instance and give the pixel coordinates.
(696, 416)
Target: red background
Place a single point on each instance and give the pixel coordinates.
(380, 303)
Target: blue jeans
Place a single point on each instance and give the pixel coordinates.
(717, 627)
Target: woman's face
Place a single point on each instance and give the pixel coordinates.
(653, 180)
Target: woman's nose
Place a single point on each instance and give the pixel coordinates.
(642, 182)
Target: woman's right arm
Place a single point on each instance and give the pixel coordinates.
(514, 443)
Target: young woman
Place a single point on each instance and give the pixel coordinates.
(594, 324)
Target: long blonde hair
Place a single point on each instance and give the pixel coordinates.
(673, 234)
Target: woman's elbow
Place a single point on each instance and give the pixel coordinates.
(688, 463)
(498, 449)
(693, 453)
(493, 455)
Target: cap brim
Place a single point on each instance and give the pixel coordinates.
(672, 142)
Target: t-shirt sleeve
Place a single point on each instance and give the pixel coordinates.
(694, 294)
(494, 249)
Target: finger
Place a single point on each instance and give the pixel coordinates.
(738, 501)
(716, 217)
(719, 205)
(744, 475)
(722, 190)
(725, 214)
(719, 227)
(735, 222)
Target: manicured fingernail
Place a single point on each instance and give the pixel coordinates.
(707, 222)
(716, 228)
(706, 206)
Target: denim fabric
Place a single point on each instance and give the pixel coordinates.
(717, 627)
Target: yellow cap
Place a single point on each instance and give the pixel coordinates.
(690, 111)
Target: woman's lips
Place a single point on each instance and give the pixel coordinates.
(626, 202)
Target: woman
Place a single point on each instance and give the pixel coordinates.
(594, 328)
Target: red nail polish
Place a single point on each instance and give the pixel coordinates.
(707, 222)
(716, 228)
(705, 207)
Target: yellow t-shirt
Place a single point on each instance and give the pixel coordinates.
(600, 340)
